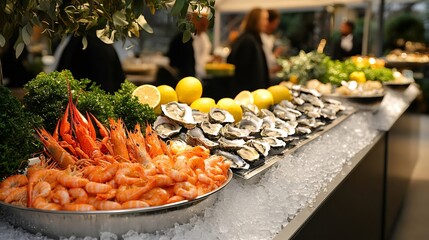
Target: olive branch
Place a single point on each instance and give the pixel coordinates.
(112, 20)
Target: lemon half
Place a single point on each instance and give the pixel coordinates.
(148, 94)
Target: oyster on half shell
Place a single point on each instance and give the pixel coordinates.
(180, 113)
(248, 153)
(211, 129)
(166, 127)
(217, 115)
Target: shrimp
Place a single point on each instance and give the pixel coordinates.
(41, 174)
(135, 204)
(61, 195)
(137, 147)
(96, 188)
(78, 195)
(41, 189)
(118, 140)
(186, 190)
(153, 142)
(126, 193)
(42, 203)
(68, 180)
(14, 181)
(5, 192)
(102, 174)
(104, 204)
(108, 195)
(175, 198)
(161, 180)
(79, 207)
(58, 153)
(155, 197)
(129, 174)
(18, 196)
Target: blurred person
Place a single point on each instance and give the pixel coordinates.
(99, 62)
(247, 54)
(268, 40)
(190, 58)
(347, 45)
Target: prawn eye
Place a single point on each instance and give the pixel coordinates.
(46, 138)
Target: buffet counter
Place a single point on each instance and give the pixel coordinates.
(346, 184)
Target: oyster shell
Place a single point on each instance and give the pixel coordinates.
(312, 99)
(248, 153)
(250, 125)
(211, 129)
(266, 113)
(196, 137)
(289, 126)
(286, 113)
(303, 130)
(287, 104)
(217, 115)
(180, 113)
(228, 144)
(166, 127)
(268, 122)
(274, 142)
(199, 116)
(231, 132)
(236, 161)
(250, 108)
(273, 132)
(261, 146)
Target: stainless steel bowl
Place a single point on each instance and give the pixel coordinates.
(57, 224)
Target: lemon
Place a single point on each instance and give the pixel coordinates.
(189, 89)
(232, 107)
(203, 104)
(244, 98)
(280, 93)
(262, 98)
(168, 94)
(148, 94)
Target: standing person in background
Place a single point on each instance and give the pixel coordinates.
(347, 45)
(268, 40)
(99, 62)
(190, 58)
(247, 54)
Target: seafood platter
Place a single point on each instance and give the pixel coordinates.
(254, 143)
(91, 178)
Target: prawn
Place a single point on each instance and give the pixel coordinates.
(96, 188)
(78, 195)
(68, 180)
(118, 140)
(79, 207)
(61, 195)
(42, 203)
(129, 174)
(156, 196)
(126, 193)
(186, 190)
(104, 204)
(14, 181)
(101, 174)
(135, 204)
(18, 196)
(40, 174)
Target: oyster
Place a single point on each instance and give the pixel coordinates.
(313, 92)
(252, 125)
(231, 132)
(289, 126)
(250, 108)
(261, 146)
(199, 116)
(180, 113)
(287, 104)
(236, 161)
(298, 100)
(228, 144)
(286, 113)
(273, 132)
(274, 142)
(303, 130)
(196, 137)
(166, 127)
(248, 153)
(266, 113)
(312, 99)
(309, 122)
(217, 115)
(268, 122)
(251, 116)
(211, 129)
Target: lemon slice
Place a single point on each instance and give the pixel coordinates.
(148, 94)
(244, 98)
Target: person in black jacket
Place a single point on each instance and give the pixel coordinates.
(247, 54)
(99, 62)
(347, 45)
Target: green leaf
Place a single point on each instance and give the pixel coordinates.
(186, 36)
(19, 48)
(119, 19)
(84, 42)
(2, 40)
(177, 8)
(26, 33)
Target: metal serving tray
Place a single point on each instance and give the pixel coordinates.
(56, 224)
